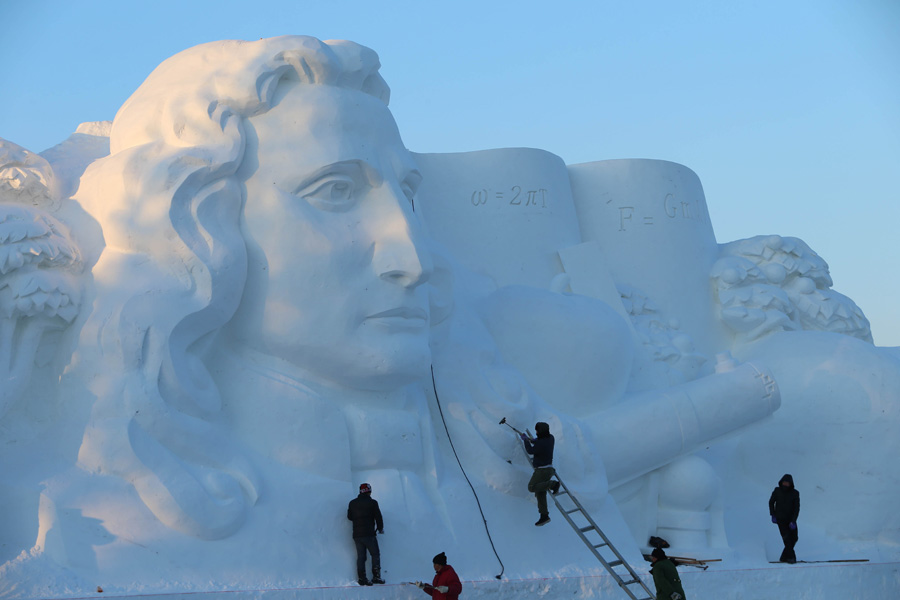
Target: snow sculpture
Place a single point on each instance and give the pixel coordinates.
(275, 274)
(513, 217)
(772, 283)
(279, 258)
(260, 313)
(846, 390)
(666, 354)
(40, 268)
(260, 242)
(775, 294)
(327, 218)
(651, 221)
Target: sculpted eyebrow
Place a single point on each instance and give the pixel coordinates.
(354, 168)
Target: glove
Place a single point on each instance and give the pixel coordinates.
(381, 531)
(524, 437)
(774, 520)
(442, 589)
(676, 596)
(419, 584)
(793, 526)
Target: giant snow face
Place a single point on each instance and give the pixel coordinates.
(337, 260)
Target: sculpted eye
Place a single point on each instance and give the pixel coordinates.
(410, 185)
(333, 193)
(409, 192)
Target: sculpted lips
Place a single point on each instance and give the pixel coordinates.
(403, 316)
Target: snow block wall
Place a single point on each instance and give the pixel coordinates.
(244, 297)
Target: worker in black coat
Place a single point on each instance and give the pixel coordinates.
(541, 449)
(366, 516)
(784, 507)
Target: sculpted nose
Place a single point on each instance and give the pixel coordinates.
(400, 253)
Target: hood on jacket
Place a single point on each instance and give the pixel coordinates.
(787, 477)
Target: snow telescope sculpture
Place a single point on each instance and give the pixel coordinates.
(276, 274)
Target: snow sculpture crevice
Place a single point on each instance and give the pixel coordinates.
(666, 355)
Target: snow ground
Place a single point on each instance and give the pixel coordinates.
(858, 581)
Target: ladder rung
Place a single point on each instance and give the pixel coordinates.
(593, 527)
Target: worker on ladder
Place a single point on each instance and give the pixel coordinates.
(541, 449)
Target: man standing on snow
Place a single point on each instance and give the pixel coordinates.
(784, 506)
(541, 449)
(446, 584)
(366, 517)
(665, 576)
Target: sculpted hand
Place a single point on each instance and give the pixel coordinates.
(792, 525)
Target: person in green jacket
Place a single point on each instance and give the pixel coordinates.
(665, 577)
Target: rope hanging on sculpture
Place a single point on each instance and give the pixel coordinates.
(474, 493)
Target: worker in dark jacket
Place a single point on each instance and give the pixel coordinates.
(446, 584)
(784, 507)
(665, 577)
(541, 450)
(366, 516)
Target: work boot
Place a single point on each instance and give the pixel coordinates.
(543, 521)
(554, 487)
(377, 579)
(363, 581)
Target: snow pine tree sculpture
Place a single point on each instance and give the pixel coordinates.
(39, 268)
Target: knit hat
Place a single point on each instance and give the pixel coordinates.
(541, 429)
(365, 488)
(658, 553)
(440, 559)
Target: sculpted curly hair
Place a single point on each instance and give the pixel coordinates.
(169, 203)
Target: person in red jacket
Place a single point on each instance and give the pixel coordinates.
(446, 584)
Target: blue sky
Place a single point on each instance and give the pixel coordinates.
(789, 111)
